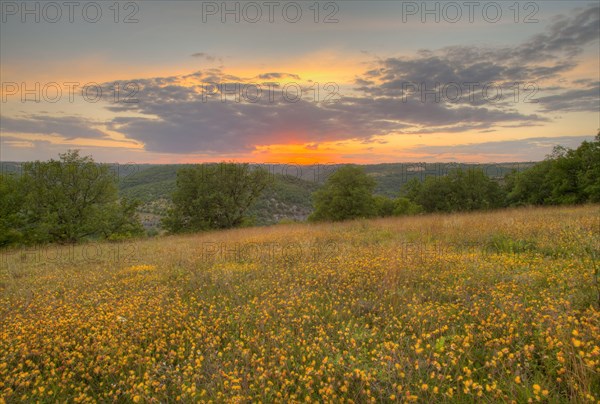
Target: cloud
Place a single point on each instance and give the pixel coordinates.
(213, 126)
(14, 142)
(188, 114)
(69, 127)
(179, 118)
(530, 149)
(270, 76)
(567, 35)
(577, 100)
(206, 56)
(542, 57)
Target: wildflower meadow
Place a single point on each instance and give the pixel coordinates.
(480, 307)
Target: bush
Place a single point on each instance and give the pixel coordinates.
(404, 206)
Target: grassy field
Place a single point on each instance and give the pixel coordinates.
(480, 307)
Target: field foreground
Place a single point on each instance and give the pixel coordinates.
(460, 308)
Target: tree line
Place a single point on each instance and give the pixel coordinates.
(74, 198)
(567, 176)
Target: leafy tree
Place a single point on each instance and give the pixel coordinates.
(71, 199)
(116, 220)
(589, 174)
(530, 187)
(412, 189)
(563, 177)
(12, 220)
(214, 196)
(347, 194)
(566, 176)
(460, 190)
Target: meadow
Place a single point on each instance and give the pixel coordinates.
(480, 307)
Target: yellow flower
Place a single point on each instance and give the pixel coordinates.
(518, 379)
(142, 268)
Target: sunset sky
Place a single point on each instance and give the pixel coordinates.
(368, 83)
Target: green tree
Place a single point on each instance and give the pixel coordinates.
(12, 220)
(563, 177)
(214, 196)
(347, 194)
(412, 189)
(589, 175)
(566, 176)
(116, 220)
(460, 190)
(530, 187)
(72, 199)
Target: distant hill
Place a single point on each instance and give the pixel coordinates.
(150, 183)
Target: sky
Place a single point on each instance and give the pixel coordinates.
(299, 82)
